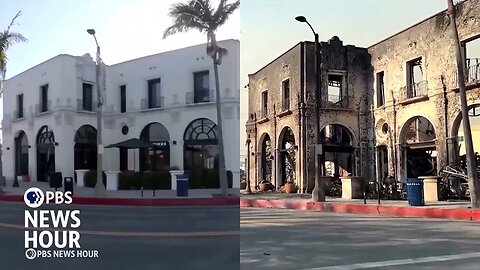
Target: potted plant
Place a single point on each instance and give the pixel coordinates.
(290, 187)
(265, 185)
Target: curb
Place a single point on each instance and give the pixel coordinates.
(366, 209)
(219, 201)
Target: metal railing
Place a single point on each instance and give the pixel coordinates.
(413, 90)
(207, 96)
(286, 104)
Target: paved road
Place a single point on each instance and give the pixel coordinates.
(134, 238)
(290, 239)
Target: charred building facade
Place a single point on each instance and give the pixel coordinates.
(390, 110)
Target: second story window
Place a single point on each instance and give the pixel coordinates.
(123, 98)
(415, 82)
(44, 98)
(154, 94)
(286, 95)
(201, 87)
(20, 106)
(264, 103)
(380, 89)
(335, 89)
(87, 100)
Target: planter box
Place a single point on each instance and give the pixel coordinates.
(112, 180)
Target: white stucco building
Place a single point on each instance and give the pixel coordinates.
(166, 98)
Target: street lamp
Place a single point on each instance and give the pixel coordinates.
(99, 187)
(318, 194)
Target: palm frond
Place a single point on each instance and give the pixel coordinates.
(224, 11)
(186, 17)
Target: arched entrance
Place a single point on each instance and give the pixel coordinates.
(45, 153)
(337, 157)
(200, 156)
(21, 153)
(266, 158)
(85, 150)
(155, 159)
(382, 162)
(287, 159)
(457, 132)
(419, 153)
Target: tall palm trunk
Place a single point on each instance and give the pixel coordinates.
(221, 153)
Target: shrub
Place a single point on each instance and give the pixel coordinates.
(90, 179)
(129, 180)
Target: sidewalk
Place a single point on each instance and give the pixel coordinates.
(85, 195)
(455, 210)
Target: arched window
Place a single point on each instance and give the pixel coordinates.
(21, 153)
(201, 153)
(155, 159)
(45, 153)
(85, 148)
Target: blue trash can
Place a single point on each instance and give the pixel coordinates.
(415, 192)
(182, 185)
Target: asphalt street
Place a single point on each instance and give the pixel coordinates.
(133, 238)
(290, 239)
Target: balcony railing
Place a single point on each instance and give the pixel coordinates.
(208, 95)
(419, 89)
(147, 104)
(472, 71)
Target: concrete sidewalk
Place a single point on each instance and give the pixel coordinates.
(85, 195)
(456, 210)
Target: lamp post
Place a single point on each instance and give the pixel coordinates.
(318, 193)
(99, 187)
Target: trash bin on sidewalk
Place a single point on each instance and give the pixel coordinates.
(415, 192)
(68, 184)
(55, 180)
(182, 185)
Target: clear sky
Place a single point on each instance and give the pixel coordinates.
(268, 27)
(125, 29)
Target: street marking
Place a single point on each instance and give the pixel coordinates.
(136, 234)
(399, 262)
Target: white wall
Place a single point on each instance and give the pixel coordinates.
(65, 74)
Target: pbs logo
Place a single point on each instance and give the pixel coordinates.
(33, 197)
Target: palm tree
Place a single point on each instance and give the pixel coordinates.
(7, 39)
(199, 15)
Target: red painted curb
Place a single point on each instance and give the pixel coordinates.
(219, 201)
(378, 210)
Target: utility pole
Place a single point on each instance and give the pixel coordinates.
(473, 181)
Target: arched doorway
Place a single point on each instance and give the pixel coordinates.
(45, 153)
(21, 153)
(419, 155)
(337, 157)
(457, 132)
(287, 159)
(200, 156)
(382, 162)
(85, 150)
(266, 158)
(155, 159)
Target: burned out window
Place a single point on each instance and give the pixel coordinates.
(286, 95)
(380, 89)
(471, 56)
(264, 103)
(416, 86)
(336, 89)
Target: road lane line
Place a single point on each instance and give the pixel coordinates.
(133, 234)
(399, 262)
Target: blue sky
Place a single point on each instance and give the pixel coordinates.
(268, 27)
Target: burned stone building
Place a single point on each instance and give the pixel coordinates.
(391, 109)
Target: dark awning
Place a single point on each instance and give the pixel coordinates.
(133, 143)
